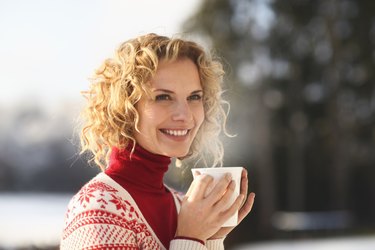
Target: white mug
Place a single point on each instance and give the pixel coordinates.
(217, 174)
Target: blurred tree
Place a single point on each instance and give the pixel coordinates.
(38, 153)
(7, 177)
(67, 171)
(303, 101)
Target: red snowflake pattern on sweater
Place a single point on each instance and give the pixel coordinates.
(85, 195)
(100, 216)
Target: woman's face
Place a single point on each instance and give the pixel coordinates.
(171, 117)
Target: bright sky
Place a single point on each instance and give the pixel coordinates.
(48, 49)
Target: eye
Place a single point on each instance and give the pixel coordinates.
(195, 97)
(163, 97)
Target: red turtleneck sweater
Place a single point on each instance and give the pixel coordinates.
(142, 176)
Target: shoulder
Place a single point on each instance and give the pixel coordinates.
(101, 196)
(104, 209)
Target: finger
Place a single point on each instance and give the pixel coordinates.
(200, 185)
(188, 193)
(233, 209)
(219, 189)
(223, 203)
(196, 173)
(244, 184)
(246, 208)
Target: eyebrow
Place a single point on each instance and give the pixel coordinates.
(171, 92)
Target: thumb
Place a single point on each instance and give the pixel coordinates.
(196, 173)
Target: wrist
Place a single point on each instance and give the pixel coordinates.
(217, 238)
(189, 238)
(187, 234)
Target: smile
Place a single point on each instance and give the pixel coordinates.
(175, 132)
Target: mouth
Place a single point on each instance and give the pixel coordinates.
(175, 132)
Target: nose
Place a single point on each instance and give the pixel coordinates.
(182, 112)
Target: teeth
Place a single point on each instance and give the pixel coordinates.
(176, 132)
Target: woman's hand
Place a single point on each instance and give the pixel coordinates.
(244, 210)
(201, 216)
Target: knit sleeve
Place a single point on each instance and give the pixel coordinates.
(185, 244)
(216, 244)
(95, 229)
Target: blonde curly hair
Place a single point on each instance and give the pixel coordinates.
(110, 118)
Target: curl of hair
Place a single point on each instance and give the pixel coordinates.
(110, 118)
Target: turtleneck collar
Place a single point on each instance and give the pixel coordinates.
(143, 170)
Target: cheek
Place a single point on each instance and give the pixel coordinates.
(145, 118)
(151, 116)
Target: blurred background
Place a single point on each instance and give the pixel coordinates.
(300, 80)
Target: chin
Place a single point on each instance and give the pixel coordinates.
(177, 154)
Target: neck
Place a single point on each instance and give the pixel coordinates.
(142, 170)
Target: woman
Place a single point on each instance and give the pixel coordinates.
(157, 99)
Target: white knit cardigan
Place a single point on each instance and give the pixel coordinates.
(103, 215)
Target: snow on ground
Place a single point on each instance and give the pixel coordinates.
(340, 243)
